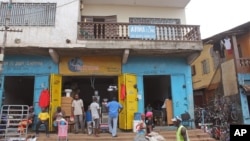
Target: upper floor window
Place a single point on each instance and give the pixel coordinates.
(138, 20)
(193, 70)
(28, 14)
(205, 66)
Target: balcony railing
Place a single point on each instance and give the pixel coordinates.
(243, 65)
(120, 31)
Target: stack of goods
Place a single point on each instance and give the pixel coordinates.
(66, 105)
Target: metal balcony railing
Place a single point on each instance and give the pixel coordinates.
(124, 31)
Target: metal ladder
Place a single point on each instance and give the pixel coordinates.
(10, 117)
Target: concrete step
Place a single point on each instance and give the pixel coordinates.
(194, 135)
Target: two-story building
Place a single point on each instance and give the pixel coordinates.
(226, 81)
(143, 47)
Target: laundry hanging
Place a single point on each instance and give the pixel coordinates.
(123, 92)
(44, 99)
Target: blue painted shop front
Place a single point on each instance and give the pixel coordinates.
(39, 67)
(244, 99)
(180, 80)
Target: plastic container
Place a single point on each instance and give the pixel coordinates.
(137, 116)
(135, 122)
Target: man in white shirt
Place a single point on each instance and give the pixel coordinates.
(78, 112)
(95, 112)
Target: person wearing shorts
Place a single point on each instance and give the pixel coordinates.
(95, 112)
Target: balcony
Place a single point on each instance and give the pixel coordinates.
(120, 31)
(243, 65)
(166, 39)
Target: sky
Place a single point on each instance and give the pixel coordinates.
(216, 16)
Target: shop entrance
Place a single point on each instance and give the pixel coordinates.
(157, 88)
(88, 86)
(18, 90)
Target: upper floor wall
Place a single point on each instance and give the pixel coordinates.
(124, 12)
(64, 26)
(204, 67)
(234, 44)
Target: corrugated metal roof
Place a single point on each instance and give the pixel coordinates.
(238, 30)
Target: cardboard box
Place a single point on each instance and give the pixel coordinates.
(66, 100)
(67, 110)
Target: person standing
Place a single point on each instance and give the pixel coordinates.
(113, 111)
(78, 113)
(95, 112)
(181, 133)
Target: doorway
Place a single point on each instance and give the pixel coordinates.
(18, 90)
(157, 88)
(88, 86)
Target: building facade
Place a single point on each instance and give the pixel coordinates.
(143, 48)
(227, 84)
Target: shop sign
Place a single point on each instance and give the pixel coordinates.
(90, 65)
(142, 32)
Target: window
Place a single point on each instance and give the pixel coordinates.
(240, 51)
(138, 20)
(29, 14)
(205, 66)
(193, 70)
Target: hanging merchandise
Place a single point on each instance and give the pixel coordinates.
(123, 92)
(44, 99)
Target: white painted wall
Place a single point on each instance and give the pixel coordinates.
(67, 16)
(124, 12)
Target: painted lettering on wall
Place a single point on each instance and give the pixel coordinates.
(22, 65)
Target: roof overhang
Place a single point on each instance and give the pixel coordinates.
(152, 3)
(236, 31)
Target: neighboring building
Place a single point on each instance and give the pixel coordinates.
(143, 47)
(203, 70)
(229, 83)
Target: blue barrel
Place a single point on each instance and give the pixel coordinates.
(137, 116)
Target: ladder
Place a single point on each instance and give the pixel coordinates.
(10, 118)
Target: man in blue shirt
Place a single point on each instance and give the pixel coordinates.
(113, 111)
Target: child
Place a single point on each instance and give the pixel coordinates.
(43, 118)
(57, 117)
(26, 121)
(149, 122)
(141, 126)
(140, 130)
(89, 121)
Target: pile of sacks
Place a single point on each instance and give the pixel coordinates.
(153, 136)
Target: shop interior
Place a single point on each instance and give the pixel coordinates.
(18, 90)
(157, 88)
(88, 86)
